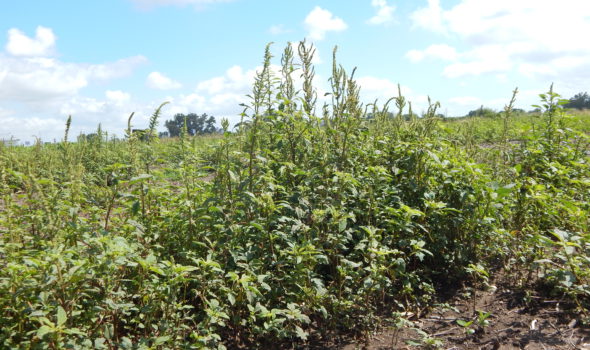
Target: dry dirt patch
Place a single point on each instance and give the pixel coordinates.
(516, 321)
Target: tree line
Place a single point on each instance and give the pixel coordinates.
(578, 101)
(195, 124)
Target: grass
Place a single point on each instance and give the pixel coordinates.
(308, 220)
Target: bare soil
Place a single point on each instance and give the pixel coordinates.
(517, 320)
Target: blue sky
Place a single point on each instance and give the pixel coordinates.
(101, 60)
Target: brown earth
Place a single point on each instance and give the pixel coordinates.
(517, 320)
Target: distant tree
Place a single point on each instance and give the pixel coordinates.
(371, 116)
(579, 101)
(88, 137)
(195, 124)
(482, 112)
(535, 111)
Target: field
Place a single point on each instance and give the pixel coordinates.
(309, 226)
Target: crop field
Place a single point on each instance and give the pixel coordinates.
(306, 226)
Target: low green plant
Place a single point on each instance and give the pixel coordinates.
(426, 341)
(478, 324)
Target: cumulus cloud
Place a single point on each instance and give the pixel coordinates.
(19, 44)
(534, 37)
(222, 95)
(40, 79)
(235, 79)
(429, 17)
(439, 51)
(120, 68)
(117, 96)
(157, 80)
(30, 127)
(111, 111)
(383, 89)
(319, 21)
(41, 90)
(79, 105)
(384, 12)
(3, 74)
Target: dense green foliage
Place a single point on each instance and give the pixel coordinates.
(305, 221)
(579, 101)
(195, 124)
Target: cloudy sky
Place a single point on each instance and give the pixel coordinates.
(101, 60)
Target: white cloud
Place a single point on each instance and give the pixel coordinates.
(112, 70)
(319, 21)
(84, 105)
(278, 29)
(532, 70)
(37, 80)
(372, 85)
(457, 70)
(502, 78)
(3, 74)
(440, 51)
(221, 96)
(382, 89)
(537, 38)
(111, 112)
(384, 12)
(429, 17)
(21, 45)
(157, 80)
(187, 103)
(41, 91)
(118, 97)
(198, 4)
(30, 127)
(235, 79)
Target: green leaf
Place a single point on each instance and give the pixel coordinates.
(157, 270)
(559, 234)
(413, 343)
(99, 343)
(504, 191)
(301, 333)
(75, 331)
(109, 331)
(126, 343)
(257, 226)
(44, 330)
(342, 225)
(140, 178)
(135, 207)
(464, 323)
(61, 316)
(161, 340)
